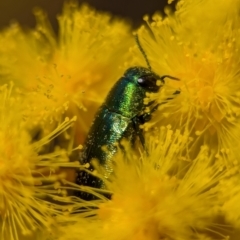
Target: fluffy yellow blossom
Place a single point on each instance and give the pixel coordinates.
(203, 52)
(68, 72)
(165, 195)
(182, 188)
(29, 196)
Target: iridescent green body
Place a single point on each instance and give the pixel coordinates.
(119, 117)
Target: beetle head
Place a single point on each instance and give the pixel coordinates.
(144, 78)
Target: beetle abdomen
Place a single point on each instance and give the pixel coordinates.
(107, 130)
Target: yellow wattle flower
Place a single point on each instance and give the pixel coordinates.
(203, 52)
(29, 198)
(166, 195)
(66, 73)
(182, 189)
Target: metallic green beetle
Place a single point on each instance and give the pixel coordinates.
(120, 116)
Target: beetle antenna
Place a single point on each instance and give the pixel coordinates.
(142, 51)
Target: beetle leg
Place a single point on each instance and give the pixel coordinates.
(173, 78)
(175, 93)
(147, 117)
(136, 122)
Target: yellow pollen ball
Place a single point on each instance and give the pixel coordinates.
(205, 96)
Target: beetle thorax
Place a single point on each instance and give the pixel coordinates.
(126, 98)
